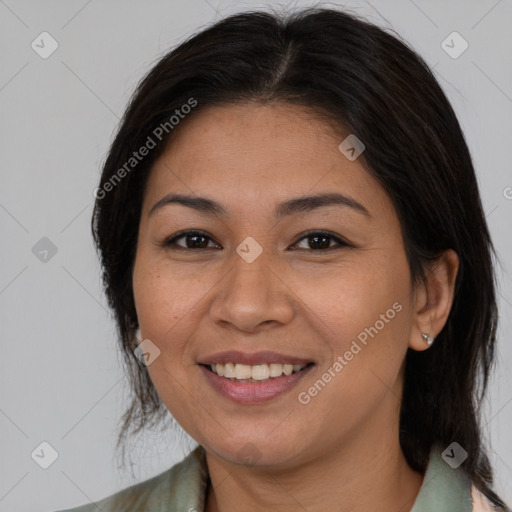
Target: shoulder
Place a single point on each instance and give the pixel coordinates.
(133, 496)
(183, 483)
(447, 487)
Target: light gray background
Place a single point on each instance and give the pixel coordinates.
(61, 378)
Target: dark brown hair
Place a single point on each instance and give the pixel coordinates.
(374, 85)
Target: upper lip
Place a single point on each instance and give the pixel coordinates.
(264, 357)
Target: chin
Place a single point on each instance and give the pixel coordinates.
(257, 452)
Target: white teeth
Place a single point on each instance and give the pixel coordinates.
(229, 370)
(287, 369)
(242, 371)
(258, 372)
(275, 369)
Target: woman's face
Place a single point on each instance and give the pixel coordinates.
(260, 278)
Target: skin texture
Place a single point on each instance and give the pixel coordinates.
(341, 450)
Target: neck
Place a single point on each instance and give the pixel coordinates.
(356, 478)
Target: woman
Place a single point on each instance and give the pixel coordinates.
(294, 248)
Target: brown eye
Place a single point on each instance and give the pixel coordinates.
(316, 241)
(320, 240)
(193, 240)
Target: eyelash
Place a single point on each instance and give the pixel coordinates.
(170, 243)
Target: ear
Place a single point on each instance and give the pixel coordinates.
(433, 299)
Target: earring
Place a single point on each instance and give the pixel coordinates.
(137, 334)
(428, 339)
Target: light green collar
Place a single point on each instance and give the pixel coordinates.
(443, 488)
(183, 487)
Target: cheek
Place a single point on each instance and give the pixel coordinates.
(165, 312)
(164, 297)
(369, 318)
(363, 317)
(351, 300)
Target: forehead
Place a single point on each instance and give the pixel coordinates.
(259, 154)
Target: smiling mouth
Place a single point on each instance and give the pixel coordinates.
(255, 373)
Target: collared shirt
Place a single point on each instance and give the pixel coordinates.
(182, 488)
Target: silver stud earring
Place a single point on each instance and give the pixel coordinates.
(428, 339)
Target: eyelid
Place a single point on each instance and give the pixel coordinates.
(170, 241)
(341, 242)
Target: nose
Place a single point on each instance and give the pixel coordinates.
(252, 295)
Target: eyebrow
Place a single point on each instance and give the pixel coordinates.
(287, 208)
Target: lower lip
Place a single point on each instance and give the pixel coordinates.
(253, 392)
